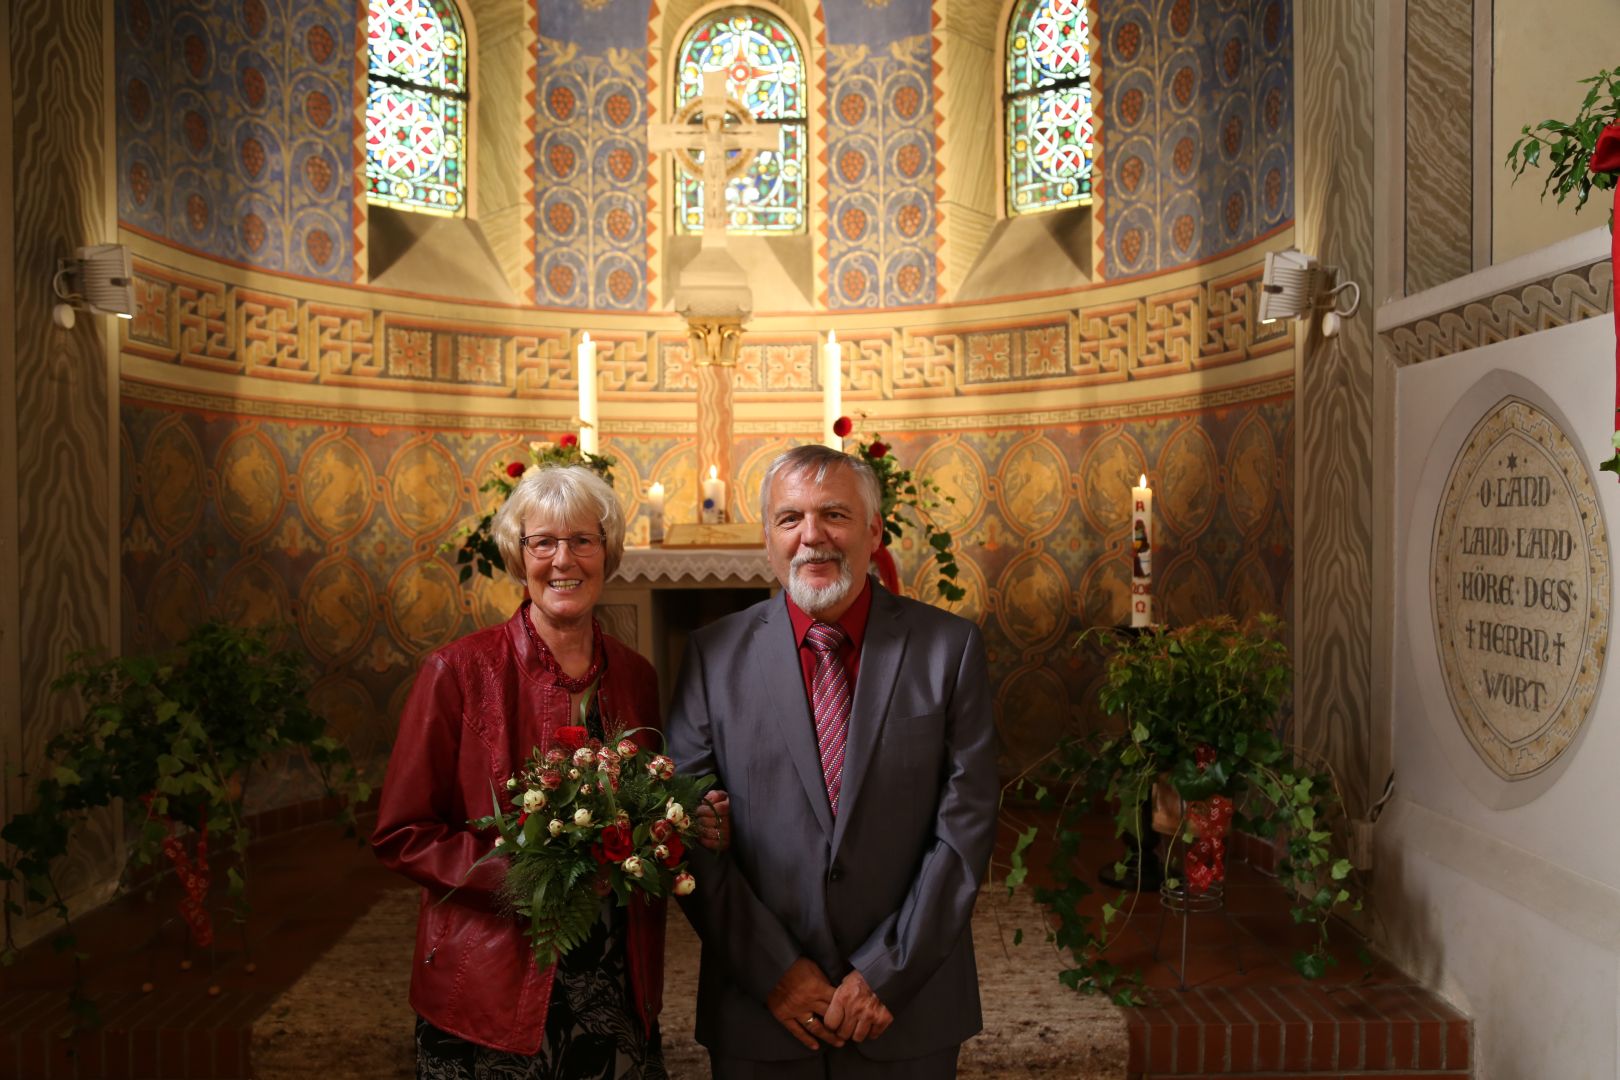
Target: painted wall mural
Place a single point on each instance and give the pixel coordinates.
(880, 133)
(265, 508)
(590, 153)
(332, 531)
(237, 132)
(236, 129)
(1198, 131)
(880, 180)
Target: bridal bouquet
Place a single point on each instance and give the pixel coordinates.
(585, 818)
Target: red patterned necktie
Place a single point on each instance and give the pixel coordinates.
(830, 697)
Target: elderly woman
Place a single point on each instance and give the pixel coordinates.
(484, 1008)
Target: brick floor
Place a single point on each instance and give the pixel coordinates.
(307, 886)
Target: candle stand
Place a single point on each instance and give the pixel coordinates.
(1212, 901)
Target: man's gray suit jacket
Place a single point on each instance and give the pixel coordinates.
(887, 886)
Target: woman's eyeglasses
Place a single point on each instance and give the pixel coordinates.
(582, 545)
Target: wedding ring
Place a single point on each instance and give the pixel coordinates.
(807, 1021)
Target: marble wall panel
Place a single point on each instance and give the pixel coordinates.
(1334, 553)
(67, 586)
(1439, 142)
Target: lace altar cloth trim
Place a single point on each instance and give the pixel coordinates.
(695, 564)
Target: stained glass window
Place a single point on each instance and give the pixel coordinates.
(1048, 103)
(764, 69)
(416, 106)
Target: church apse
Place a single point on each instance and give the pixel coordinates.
(297, 450)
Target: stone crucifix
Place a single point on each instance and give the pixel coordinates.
(712, 290)
(716, 139)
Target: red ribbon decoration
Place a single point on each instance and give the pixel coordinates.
(1606, 159)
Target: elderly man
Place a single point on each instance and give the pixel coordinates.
(852, 730)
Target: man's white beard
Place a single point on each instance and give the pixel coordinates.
(812, 599)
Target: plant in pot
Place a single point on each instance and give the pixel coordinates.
(1200, 709)
(172, 742)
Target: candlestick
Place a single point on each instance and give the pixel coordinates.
(587, 393)
(655, 513)
(714, 498)
(832, 389)
(1142, 553)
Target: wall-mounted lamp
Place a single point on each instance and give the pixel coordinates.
(97, 278)
(1294, 285)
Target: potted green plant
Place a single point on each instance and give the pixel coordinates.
(1199, 709)
(173, 741)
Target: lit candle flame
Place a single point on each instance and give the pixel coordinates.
(1142, 482)
(714, 472)
(832, 337)
(585, 337)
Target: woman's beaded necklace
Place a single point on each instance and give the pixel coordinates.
(549, 661)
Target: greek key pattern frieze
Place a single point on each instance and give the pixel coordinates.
(194, 322)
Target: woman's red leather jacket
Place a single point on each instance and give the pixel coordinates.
(478, 707)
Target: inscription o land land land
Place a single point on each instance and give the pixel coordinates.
(1519, 589)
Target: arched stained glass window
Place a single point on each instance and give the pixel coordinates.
(1048, 102)
(764, 69)
(416, 106)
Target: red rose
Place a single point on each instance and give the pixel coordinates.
(616, 843)
(572, 737)
(676, 850)
(662, 830)
(551, 780)
(515, 469)
(843, 426)
(569, 441)
(877, 449)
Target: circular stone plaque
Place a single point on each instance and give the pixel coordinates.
(1519, 589)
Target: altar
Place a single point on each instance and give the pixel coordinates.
(659, 596)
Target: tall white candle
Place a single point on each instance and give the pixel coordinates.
(655, 513)
(587, 393)
(1141, 553)
(832, 389)
(714, 498)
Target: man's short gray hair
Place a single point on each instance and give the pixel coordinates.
(561, 494)
(820, 459)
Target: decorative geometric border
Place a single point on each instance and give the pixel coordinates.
(191, 321)
(1559, 300)
(362, 66)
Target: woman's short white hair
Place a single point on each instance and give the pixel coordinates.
(558, 495)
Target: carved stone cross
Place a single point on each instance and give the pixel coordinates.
(716, 139)
(713, 291)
